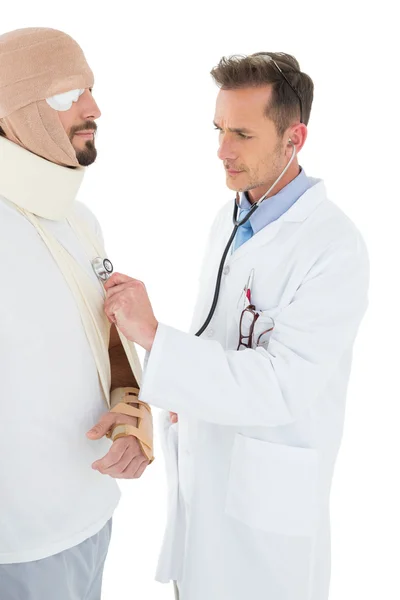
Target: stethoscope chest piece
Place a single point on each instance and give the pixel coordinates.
(103, 267)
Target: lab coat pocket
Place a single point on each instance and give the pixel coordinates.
(263, 330)
(273, 487)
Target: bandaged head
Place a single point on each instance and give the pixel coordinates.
(42, 71)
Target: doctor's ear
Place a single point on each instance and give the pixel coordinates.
(297, 135)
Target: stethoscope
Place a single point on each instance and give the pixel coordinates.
(102, 267)
(237, 224)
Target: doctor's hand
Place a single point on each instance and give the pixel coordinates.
(128, 306)
(125, 459)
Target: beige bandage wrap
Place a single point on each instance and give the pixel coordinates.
(121, 402)
(37, 63)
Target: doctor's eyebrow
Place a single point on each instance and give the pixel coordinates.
(234, 130)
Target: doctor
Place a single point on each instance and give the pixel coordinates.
(260, 394)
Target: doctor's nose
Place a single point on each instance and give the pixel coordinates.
(226, 150)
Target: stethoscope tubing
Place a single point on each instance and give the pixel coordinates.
(238, 224)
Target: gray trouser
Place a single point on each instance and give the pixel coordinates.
(75, 574)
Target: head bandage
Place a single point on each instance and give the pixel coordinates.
(41, 71)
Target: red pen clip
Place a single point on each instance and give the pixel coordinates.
(249, 284)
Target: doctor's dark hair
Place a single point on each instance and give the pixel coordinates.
(257, 70)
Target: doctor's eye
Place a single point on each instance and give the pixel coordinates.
(243, 136)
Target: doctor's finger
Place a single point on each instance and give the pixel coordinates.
(118, 289)
(112, 305)
(112, 310)
(120, 307)
(132, 287)
(116, 279)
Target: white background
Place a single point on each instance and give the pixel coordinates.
(157, 185)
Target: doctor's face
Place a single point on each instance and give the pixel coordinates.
(79, 124)
(253, 153)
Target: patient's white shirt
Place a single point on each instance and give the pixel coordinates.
(50, 396)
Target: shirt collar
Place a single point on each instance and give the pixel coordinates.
(274, 207)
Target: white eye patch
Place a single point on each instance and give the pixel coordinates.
(63, 102)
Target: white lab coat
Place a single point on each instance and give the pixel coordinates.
(251, 461)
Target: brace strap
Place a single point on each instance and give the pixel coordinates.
(125, 401)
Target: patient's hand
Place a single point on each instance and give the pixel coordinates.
(125, 459)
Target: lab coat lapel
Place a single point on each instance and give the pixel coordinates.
(306, 204)
(297, 213)
(261, 238)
